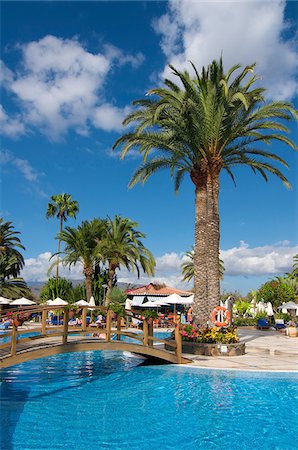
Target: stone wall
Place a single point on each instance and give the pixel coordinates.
(195, 348)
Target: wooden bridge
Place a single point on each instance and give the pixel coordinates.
(52, 340)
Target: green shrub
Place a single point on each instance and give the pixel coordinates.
(249, 321)
(261, 315)
(62, 289)
(281, 315)
(117, 295)
(117, 309)
(242, 307)
(150, 314)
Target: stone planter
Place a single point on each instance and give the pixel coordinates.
(291, 331)
(195, 348)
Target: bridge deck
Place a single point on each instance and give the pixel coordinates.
(48, 346)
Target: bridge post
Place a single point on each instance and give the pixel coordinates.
(65, 326)
(44, 322)
(13, 347)
(119, 318)
(178, 340)
(145, 332)
(84, 318)
(109, 324)
(150, 331)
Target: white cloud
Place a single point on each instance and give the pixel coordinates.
(266, 260)
(24, 168)
(36, 269)
(115, 53)
(109, 118)
(239, 261)
(10, 126)
(59, 86)
(244, 32)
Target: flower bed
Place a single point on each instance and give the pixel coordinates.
(210, 341)
(17, 318)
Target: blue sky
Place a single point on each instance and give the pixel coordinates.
(69, 73)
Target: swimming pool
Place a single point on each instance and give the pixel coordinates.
(109, 400)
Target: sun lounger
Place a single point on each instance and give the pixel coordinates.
(263, 324)
(279, 324)
(5, 325)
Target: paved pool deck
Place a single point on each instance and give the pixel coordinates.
(265, 350)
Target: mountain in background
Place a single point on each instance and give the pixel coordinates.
(36, 286)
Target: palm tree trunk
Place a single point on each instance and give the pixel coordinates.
(200, 306)
(110, 284)
(57, 267)
(88, 272)
(213, 243)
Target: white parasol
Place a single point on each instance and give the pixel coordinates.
(4, 301)
(58, 302)
(22, 302)
(269, 309)
(82, 303)
(91, 301)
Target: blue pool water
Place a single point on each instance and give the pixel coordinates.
(110, 400)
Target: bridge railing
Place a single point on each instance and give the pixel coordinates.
(111, 327)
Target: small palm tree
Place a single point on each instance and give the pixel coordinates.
(11, 262)
(295, 267)
(206, 124)
(81, 247)
(62, 206)
(121, 246)
(188, 267)
(8, 237)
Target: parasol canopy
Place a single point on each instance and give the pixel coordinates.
(58, 302)
(22, 302)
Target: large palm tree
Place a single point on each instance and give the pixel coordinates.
(188, 267)
(207, 123)
(62, 206)
(121, 246)
(81, 247)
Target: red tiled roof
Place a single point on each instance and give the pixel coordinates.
(153, 289)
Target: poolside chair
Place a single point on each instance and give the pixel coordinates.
(5, 325)
(136, 323)
(279, 324)
(263, 324)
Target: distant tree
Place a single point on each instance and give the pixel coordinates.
(276, 292)
(11, 263)
(188, 267)
(294, 273)
(293, 282)
(121, 246)
(62, 206)
(62, 289)
(100, 277)
(117, 295)
(81, 247)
